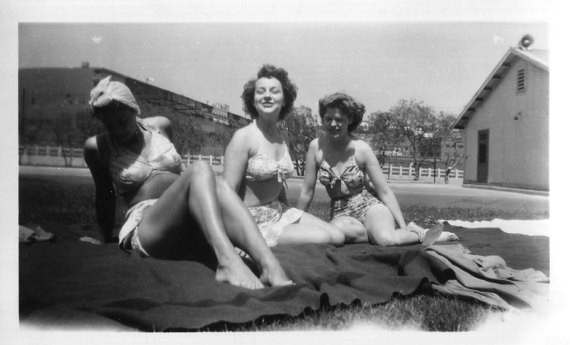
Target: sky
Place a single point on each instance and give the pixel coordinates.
(440, 63)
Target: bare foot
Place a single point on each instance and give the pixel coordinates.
(238, 274)
(432, 235)
(275, 276)
(448, 236)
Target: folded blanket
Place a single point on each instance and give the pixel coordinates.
(159, 295)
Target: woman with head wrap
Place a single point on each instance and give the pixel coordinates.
(172, 213)
(344, 164)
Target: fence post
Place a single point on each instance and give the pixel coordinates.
(222, 160)
(456, 173)
(400, 171)
(410, 170)
(211, 159)
(200, 157)
(390, 171)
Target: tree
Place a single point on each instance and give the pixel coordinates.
(384, 139)
(413, 127)
(86, 125)
(66, 134)
(188, 138)
(453, 149)
(300, 129)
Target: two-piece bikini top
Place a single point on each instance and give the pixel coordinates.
(352, 180)
(262, 167)
(129, 170)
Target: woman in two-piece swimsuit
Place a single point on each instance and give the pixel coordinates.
(173, 214)
(257, 164)
(344, 164)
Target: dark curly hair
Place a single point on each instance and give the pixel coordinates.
(353, 109)
(270, 71)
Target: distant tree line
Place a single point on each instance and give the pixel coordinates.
(70, 127)
(410, 126)
(417, 129)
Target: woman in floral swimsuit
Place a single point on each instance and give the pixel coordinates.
(257, 164)
(343, 164)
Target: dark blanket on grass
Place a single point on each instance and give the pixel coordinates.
(150, 294)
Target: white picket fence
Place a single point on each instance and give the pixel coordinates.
(51, 156)
(58, 156)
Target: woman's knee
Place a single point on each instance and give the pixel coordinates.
(199, 167)
(381, 210)
(352, 229)
(197, 171)
(333, 234)
(380, 226)
(337, 237)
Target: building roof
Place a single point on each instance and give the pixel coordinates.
(537, 57)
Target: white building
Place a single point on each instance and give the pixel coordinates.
(506, 122)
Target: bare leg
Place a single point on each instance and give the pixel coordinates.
(352, 229)
(382, 229)
(193, 197)
(311, 229)
(243, 232)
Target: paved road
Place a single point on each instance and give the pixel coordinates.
(408, 193)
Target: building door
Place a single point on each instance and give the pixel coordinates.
(483, 156)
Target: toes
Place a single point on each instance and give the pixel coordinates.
(449, 236)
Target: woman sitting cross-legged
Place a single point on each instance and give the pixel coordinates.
(173, 214)
(343, 164)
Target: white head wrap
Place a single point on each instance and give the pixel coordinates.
(107, 91)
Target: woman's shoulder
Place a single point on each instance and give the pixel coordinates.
(96, 142)
(361, 145)
(96, 148)
(245, 133)
(316, 144)
(362, 151)
(242, 139)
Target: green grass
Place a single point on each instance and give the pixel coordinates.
(61, 202)
(437, 313)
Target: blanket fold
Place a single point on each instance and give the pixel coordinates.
(160, 295)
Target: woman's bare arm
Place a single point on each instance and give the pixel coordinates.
(310, 179)
(384, 192)
(235, 159)
(105, 199)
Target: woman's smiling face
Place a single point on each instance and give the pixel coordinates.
(335, 123)
(268, 97)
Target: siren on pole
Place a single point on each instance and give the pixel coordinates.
(526, 41)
